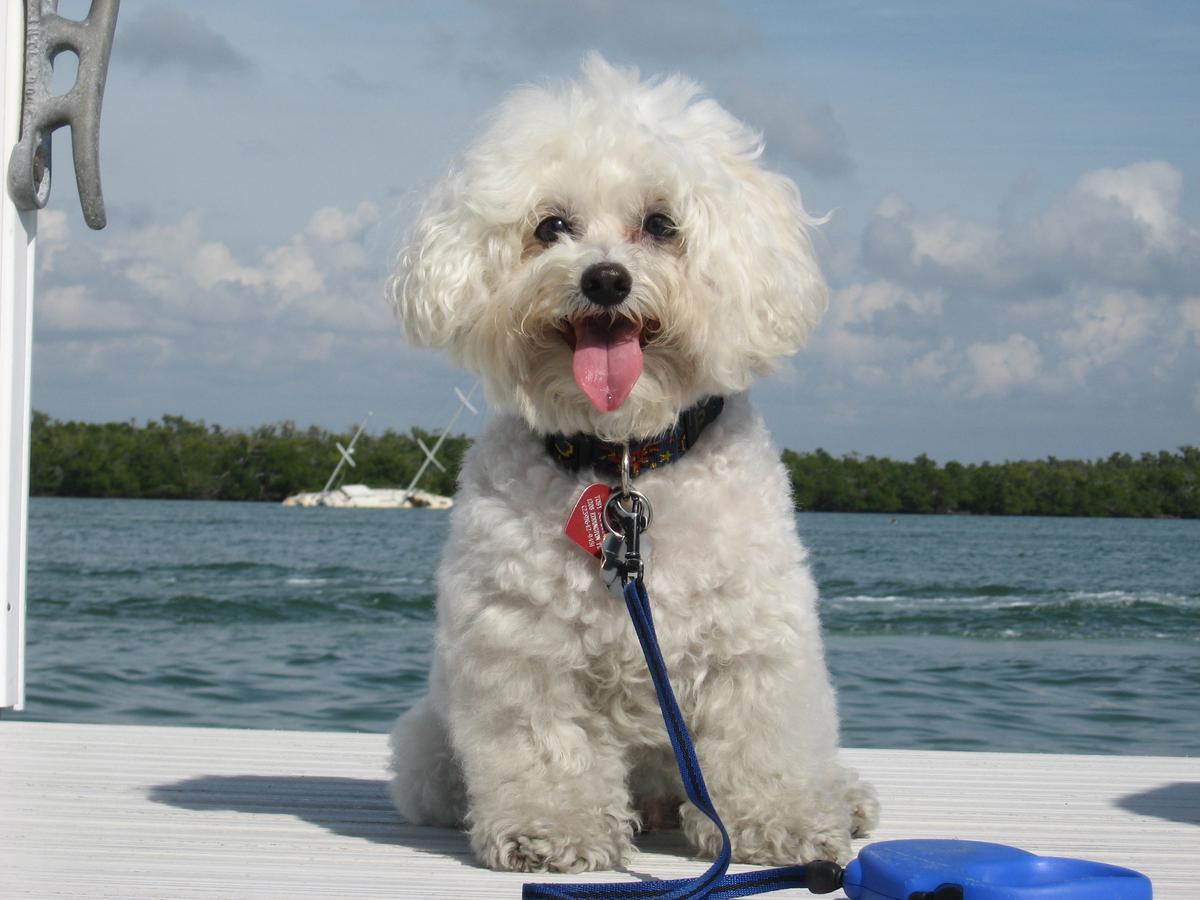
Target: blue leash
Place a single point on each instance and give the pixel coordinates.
(909, 870)
(715, 882)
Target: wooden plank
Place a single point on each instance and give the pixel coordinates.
(132, 812)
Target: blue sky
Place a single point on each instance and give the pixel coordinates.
(1014, 251)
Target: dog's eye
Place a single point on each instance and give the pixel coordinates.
(551, 228)
(659, 225)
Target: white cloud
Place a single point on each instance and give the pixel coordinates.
(166, 261)
(52, 226)
(1148, 191)
(214, 263)
(936, 253)
(1088, 287)
(1189, 314)
(348, 255)
(92, 358)
(71, 309)
(331, 225)
(1114, 228)
(861, 304)
(292, 271)
(53, 231)
(1104, 331)
(999, 367)
(954, 243)
(876, 334)
(933, 367)
(1118, 227)
(197, 306)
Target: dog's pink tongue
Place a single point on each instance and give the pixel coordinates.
(608, 360)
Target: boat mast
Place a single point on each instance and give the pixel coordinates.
(464, 402)
(347, 455)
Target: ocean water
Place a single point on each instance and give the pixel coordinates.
(1018, 634)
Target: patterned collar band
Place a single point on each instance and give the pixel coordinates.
(582, 451)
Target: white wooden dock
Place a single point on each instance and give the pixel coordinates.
(130, 812)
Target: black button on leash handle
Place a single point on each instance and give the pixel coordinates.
(823, 877)
(945, 892)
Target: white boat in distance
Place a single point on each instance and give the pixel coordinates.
(360, 496)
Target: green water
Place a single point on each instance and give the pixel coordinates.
(1041, 635)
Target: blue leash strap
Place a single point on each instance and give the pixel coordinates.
(930, 869)
(715, 882)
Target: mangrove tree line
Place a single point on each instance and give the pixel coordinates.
(178, 458)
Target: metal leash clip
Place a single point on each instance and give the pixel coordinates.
(627, 515)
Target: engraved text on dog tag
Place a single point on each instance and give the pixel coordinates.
(585, 525)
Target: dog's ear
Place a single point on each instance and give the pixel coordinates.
(768, 259)
(439, 287)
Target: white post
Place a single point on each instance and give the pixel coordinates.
(18, 232)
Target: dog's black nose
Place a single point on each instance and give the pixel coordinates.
(606, 283)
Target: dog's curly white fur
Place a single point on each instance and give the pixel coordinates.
(541, 731)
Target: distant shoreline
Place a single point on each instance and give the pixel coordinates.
(177, 459)
(816, 512)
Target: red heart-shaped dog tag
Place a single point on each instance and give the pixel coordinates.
(585, 525)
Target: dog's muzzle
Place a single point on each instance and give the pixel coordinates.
(606, 283)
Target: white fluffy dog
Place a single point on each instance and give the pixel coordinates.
(608, 257)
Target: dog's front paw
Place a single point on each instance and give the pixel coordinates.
(864, 807)
(550, 848)
(769, 839)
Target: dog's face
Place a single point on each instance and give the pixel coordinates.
(610, 254)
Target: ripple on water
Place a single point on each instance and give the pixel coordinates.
(943, 632)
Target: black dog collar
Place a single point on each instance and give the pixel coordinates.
(583, 451)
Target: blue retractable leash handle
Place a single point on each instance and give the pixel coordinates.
(888, 870)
